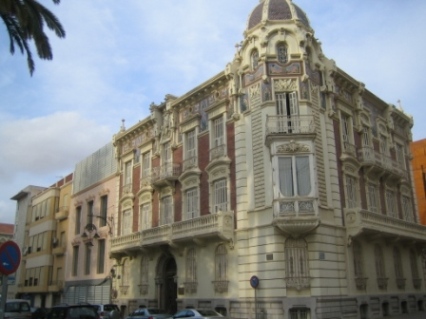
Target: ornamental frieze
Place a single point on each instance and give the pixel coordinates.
(138, 140)
(250, 78)
(293, 147)
(291, 69)
(285, 85)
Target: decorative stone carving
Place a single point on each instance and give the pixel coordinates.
(293, 147)
(285, 85)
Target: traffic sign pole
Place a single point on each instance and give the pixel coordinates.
(3, 295)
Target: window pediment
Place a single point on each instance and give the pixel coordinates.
(293, 147)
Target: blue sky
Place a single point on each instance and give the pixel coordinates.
(118, 57)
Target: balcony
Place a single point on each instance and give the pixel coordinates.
(296, 216)
(127, 190)
(220, 226)
(217, 152)
(157, 236)
(289, 125)
(125, 244)
(381, 164)
(190, 163)
(377, 225)
(62, 213)
(59, 250)
(165, 175)
(55, 286)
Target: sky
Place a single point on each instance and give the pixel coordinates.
(120, 56)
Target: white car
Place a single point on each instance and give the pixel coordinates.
(197, 314)
(17, 309)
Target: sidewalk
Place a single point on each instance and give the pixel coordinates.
(417, 315)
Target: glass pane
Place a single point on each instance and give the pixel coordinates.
(303, 175)
(286, 176)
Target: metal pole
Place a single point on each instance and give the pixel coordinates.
(3, 295)
(255, 303)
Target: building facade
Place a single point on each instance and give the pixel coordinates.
(282, 167)
(418, 150)
(36, 267)
(89, 270)
(23, 207)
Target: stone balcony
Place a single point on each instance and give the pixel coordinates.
(125, 244)
(374, 225)
(166, 174)
(59, 250)
(296, 216)
(289, 125)
(219, 226)
(55, 286)
(62, 213)
(381, 164)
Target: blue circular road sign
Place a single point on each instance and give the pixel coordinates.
(254, 282)
(10, 257)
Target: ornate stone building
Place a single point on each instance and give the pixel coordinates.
(282, 167)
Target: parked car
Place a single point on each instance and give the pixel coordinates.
(17, 309)
(39, 312)
(64, 311)
(198, 314)
(148, 313)
(108, 311)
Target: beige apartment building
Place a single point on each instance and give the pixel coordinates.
(279, 188)
(40, 275)
(89, 270)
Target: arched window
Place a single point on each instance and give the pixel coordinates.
(191, 271)
(414, 269)
(254, 59)
(380, 267)
(125, 273)
(221, 262)
(297, 265)
(282, 54)
(399, 272)
(143, 284)
(360, 280)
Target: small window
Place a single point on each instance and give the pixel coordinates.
(282, 54)
(254, 59)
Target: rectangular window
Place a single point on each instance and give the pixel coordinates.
(90, 212)
(104, 211)
(101, 256)
(365, 137)
(220, 196)
(166, 211)
(294, 176)
(127, 222)
(77, 220)
(218, 132)
(407, 208)
(87, 260)
(190, 145)
(288, 113)
(128, 173)
(346, 128)
(145, 215)
(391, 204)
(400, 155)
(75, 260)
(192, 203)
(383, 144)
(351, 191)
(373, 198)
(146, 164)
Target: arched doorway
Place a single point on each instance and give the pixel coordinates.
(166, 283)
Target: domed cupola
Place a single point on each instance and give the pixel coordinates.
(276, 10)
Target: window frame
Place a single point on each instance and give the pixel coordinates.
(282, 55)
(192, 203)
